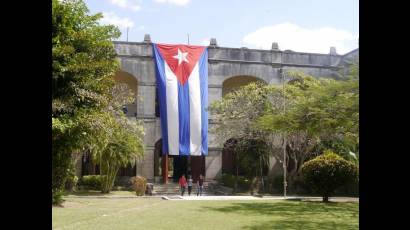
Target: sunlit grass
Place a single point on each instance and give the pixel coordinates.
(154, 213)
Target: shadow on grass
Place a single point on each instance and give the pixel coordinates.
(298, 214)
(85, 193)
(298, 224)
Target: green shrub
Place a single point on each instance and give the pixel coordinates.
(228, 180)
(327, 172)
(244, 183)
(71, 179)
(60, 163)
(123, 181)
(71, 183)
(349, 189)
(91, 182)
(139, 184)
(57, 197)
(277, 184)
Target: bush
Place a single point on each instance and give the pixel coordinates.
(327, 172)
(93, 182)
(71, 183)
(244, 183)
(277, 184)
(57, 197)
(123, 181)
(349, 189)
(139, 184)
(229, 181)
(71, 179)
(60, 163)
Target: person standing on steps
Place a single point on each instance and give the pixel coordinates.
(182, 184)
(200, 185)
(189, 184)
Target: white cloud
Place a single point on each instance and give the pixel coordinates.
(134, 5)
(293, 37)
(110, 18)
(174, 2)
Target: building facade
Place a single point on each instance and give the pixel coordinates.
(228, 68)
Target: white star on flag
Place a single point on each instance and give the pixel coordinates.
(181, 57)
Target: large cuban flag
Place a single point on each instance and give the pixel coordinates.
(182, 79)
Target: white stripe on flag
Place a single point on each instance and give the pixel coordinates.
(195, 112)
(172, 111)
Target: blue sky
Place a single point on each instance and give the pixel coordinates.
(299, 25)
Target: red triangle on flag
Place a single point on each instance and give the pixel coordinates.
(181, 59)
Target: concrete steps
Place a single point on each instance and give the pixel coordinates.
(172, 188)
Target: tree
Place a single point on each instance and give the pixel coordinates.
(321, 114)
(84, 61)
(117, 140)
(234, 115)
(327, 172)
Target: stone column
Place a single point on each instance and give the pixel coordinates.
(213, 164)
(165, 169)
(147, 166)
(146, 99)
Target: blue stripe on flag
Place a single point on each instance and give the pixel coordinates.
(203, 74)
(161, 84)
(184, 127)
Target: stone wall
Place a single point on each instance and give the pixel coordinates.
(137, 59)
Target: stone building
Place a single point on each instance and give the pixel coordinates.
(228, 69)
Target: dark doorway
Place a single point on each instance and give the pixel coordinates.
(188, 165)
(197, 167)
(180, 165)
(88, 166)
(129, 171)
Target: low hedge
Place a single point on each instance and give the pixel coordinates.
(91, 182)
(229, 181)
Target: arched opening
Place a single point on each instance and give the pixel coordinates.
(130, 110)
(247, 158)
(177, 165)
(159, 163)
(88, 167)
(228, 157)
(235, 82)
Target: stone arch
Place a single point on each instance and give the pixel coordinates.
(132, 82)
(157, 156)
(231, 159)
(228, 157)
(235, 82)
(133, 67)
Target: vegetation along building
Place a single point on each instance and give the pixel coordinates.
(228, 69)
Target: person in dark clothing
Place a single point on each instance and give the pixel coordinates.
(189, 184)
(200, 185)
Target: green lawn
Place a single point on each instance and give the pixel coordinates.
(154, 213)
(98, 193)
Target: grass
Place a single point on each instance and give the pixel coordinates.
(154, 213)
(98, 193)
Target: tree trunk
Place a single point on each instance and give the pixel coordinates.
(235, 188)
(260, 165)
(325, 198)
